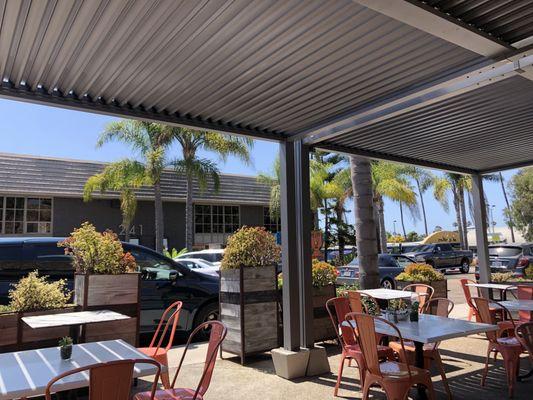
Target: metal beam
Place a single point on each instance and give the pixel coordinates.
(100, 106)
(480, 220)
(507, 167)
(406, 102)
(394, 158)
(427, 19)
(289, 242)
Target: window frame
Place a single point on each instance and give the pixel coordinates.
(212, 222)
(268, 226)
(25, 221)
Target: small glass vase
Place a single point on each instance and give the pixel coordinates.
(66, 352)
(413, 316)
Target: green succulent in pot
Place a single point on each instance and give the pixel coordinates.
(65, 347)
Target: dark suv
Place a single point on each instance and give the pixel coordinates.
(511, 257)
(173, 281)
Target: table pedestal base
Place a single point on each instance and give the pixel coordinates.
(419, 363)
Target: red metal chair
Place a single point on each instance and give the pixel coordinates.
(395, 378)
(524, 292)
(424, 292)
(159, 353)
(509, 347)
(110, 380)
(524, 333)
(441, 307)
(217, 334)
(468, 298)
(347, 341)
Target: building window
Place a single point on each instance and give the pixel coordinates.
(216, 219)
(22, 215)
(271, 224)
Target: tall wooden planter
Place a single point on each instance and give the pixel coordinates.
(322, 328)
(8, 331)
(249, 309)
(120, 293)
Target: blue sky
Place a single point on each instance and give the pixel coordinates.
(47, 131)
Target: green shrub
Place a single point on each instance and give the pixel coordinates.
(97, 253)
(251, 247)
(5, 309)
(500, 277)
(323, 274)
(35, 293)
(174, 253)
(529, 271)
(422, 273)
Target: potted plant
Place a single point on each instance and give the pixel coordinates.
(324, 277)
(105, 278)
(65, 347)
(423, 273)
(248, 292)
(33, 295)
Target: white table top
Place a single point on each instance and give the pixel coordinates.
(499, 286)
(388, 294)
(74, 318)
(517, 305)
(431, 328)
(26, 373)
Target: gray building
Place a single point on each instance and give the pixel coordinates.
(42, 196)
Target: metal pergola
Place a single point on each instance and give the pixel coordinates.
(438, 83)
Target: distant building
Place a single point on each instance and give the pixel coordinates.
(43, 197)
(501, 234)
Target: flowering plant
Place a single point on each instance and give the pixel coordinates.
(422, 273)
(97, 253)
(35, 293)
(323, 274)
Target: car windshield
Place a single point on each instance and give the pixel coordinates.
(505, 251)
(422, 248)
(403, 261)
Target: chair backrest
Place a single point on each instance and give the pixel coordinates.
(482, 307)
(367, 339)
(341, 306)
(424, 292)
(109, 380)
(356, 303)
(439, 306)
(217, 334)
(524, 333)
(524, 292)
(466, 291)
(169, 319)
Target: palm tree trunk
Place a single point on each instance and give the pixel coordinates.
(401, 219)
(423, 207)
(463, 217)
(159, 222)
(339, 213)
(365, 225)
(189, 235)
(458, 215)
(509, 218)
(127, 228)
(378, 229)
(381, 223)
(326, 230)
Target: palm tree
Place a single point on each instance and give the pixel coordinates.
(201, 169)
(124, 177)
(390, 180)
(150, 141)
(365, 226)
(424, 180)
(273, 180)
(509, 218)
(454, 183)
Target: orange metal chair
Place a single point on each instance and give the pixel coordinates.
(468, 297)
(509, 347)
(524, 333)
(395, 378)
(110, 380)
(524, 292)
(347, 341)
(441, 307)
(424, 292)
(159, 353)
(217, 334)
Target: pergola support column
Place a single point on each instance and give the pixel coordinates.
(298, 357)
(480, 219)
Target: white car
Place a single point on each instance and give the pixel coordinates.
(199, 265)
(214, 256)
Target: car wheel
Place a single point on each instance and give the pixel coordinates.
(209, 312)
(387, 284)
(465, 266)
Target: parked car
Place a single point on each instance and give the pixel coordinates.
(199, 265)
(442, 256)
(212, 255)
(390, 265)
(163, 279)
(512, 257)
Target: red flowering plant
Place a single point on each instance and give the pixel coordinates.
(97, 253)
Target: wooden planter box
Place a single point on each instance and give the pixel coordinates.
(120, 293)
(15, 335)
(441, 287)
(322, 328)
(249, 309)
